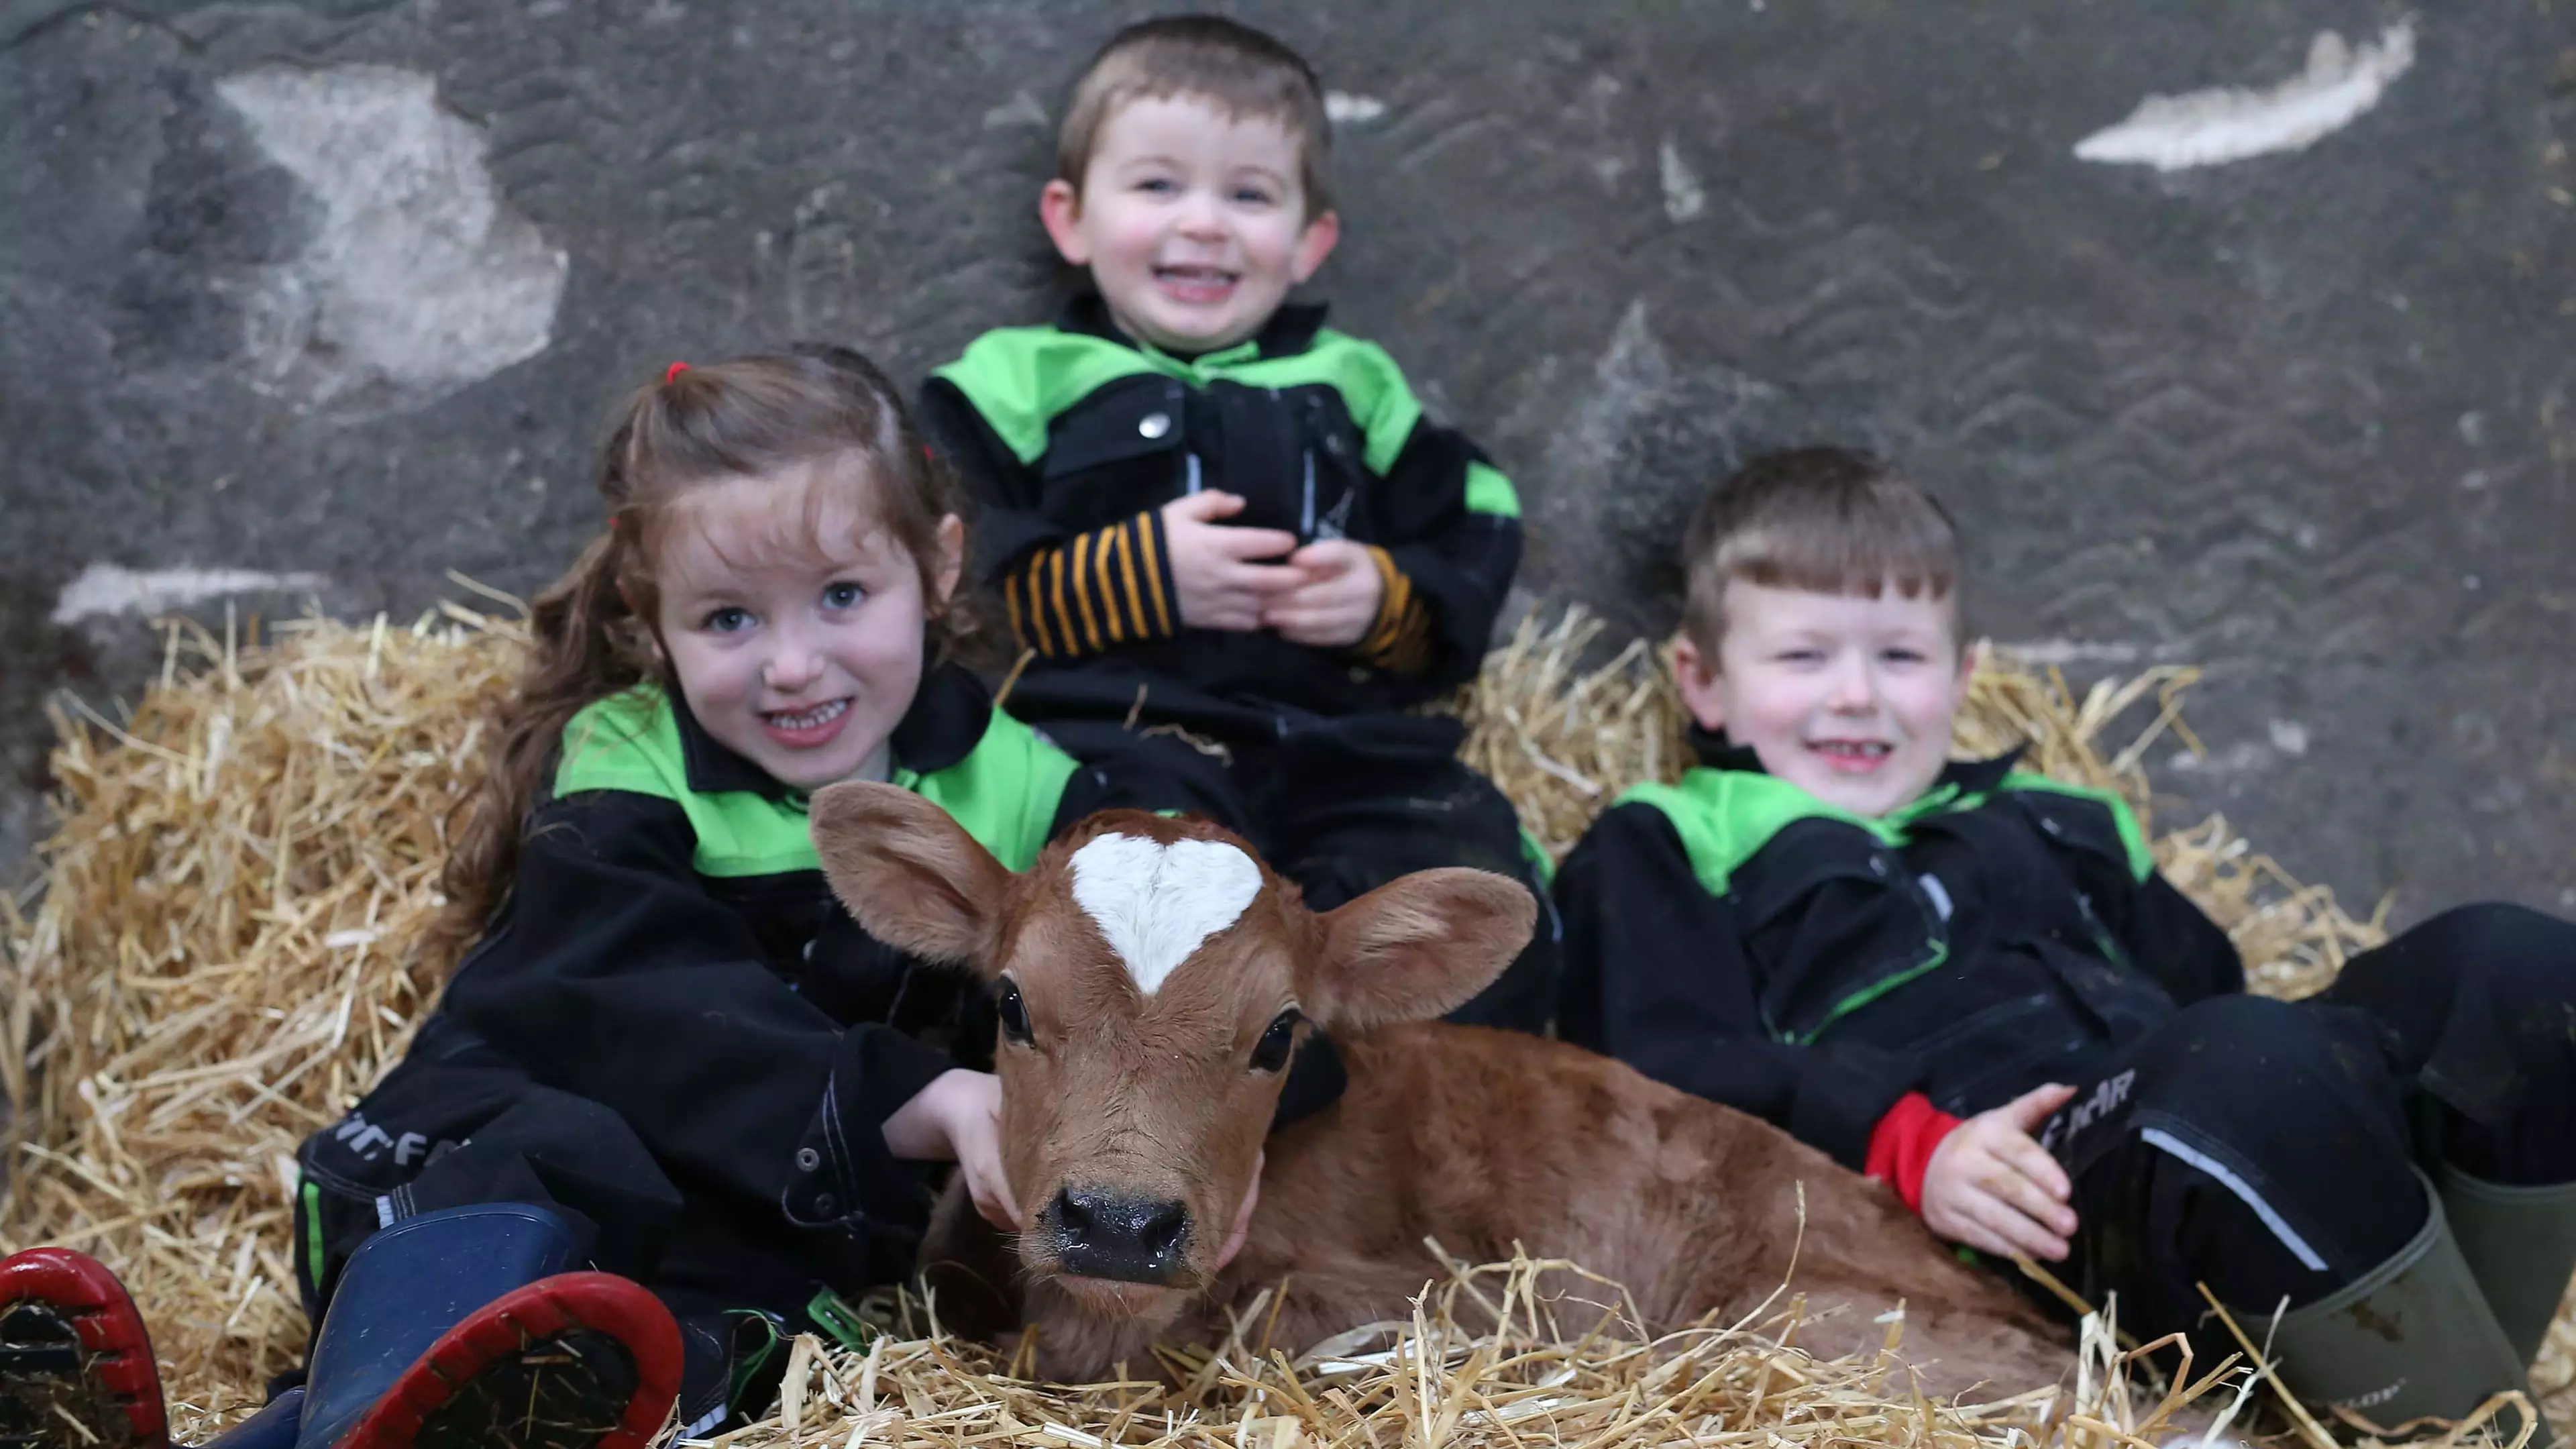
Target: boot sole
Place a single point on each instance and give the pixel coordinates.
(576, 1361)
(76, 1369)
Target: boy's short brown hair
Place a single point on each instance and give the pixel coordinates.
(1826, 520)
(1246, 72)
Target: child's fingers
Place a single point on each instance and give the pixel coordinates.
(1205, 507)
(2013, 1232)
(2031, 1110)
(2029, 1197)
(993, 1204)
(2034, 1164)
(1242, 1228)
(1252, 543)
(1329, 558)
(1242, 616)
(1326, 622)
(1259, 582)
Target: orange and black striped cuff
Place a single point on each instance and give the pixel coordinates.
(1400, 639)
(1095, 591)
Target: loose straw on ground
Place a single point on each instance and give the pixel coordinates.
(226, 955)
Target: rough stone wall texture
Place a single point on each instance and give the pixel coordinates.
(340, 291)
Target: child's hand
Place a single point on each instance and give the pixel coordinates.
(1242, 1228)
(1220, 586)
(957, 1118)
(1337, 596)
(1993, 1187)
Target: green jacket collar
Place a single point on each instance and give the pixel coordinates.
(1289, 331)
(1959, 778)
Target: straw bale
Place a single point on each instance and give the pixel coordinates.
(226, 955)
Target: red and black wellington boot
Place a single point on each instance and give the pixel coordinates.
(76, 1367)
(442, 1335)
(576, 1361)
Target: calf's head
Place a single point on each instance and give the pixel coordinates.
(1155, 981)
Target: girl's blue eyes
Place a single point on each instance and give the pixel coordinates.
(733, 619)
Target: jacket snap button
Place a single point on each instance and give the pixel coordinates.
(809, 950)
(826, 1204)
(807, 1159)
(1154, 425)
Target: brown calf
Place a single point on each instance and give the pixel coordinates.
(1154, 980)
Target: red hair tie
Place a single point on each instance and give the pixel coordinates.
(674, 370)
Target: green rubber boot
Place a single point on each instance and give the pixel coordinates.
(2521, 1244)
(2411, 1339)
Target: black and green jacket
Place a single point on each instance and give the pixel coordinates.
(1073, 437)
(669, 949)
(1739, 939)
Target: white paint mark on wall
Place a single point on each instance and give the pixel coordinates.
(1342, 107)
(1684, 198)
(419, 278)
(1155, 903)
(1022, 109)
(2070, 651)
(1632, 376)
(2241, 758)
(2231, 123)
(105, 588)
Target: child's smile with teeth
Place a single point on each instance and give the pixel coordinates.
(1852, 754)
(794, 725)
(1196, 284)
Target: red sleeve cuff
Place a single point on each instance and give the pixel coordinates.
(1902, 1144)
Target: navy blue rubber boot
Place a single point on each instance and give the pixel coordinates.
(274, 1427)
(460, 1328)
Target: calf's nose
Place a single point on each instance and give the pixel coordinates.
(1133, 1240)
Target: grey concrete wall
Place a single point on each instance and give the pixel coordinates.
(340, 290)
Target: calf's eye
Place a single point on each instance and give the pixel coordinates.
(1015, 1014)
(1271, 1052)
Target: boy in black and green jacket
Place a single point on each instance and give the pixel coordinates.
(1226, 534)
(1970, 981)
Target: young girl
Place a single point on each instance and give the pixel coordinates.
(668, 1052)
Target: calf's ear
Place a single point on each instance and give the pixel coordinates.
(910, 874)
(1416, 947)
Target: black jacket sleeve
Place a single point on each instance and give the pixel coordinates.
(1005, 491)
(1067, 594)
(1451, 565)
(1657, 976)
(614, 974)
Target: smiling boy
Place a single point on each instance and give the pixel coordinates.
(1233, 547)
(1971, 982)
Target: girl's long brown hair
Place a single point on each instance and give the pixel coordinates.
(590, 632)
